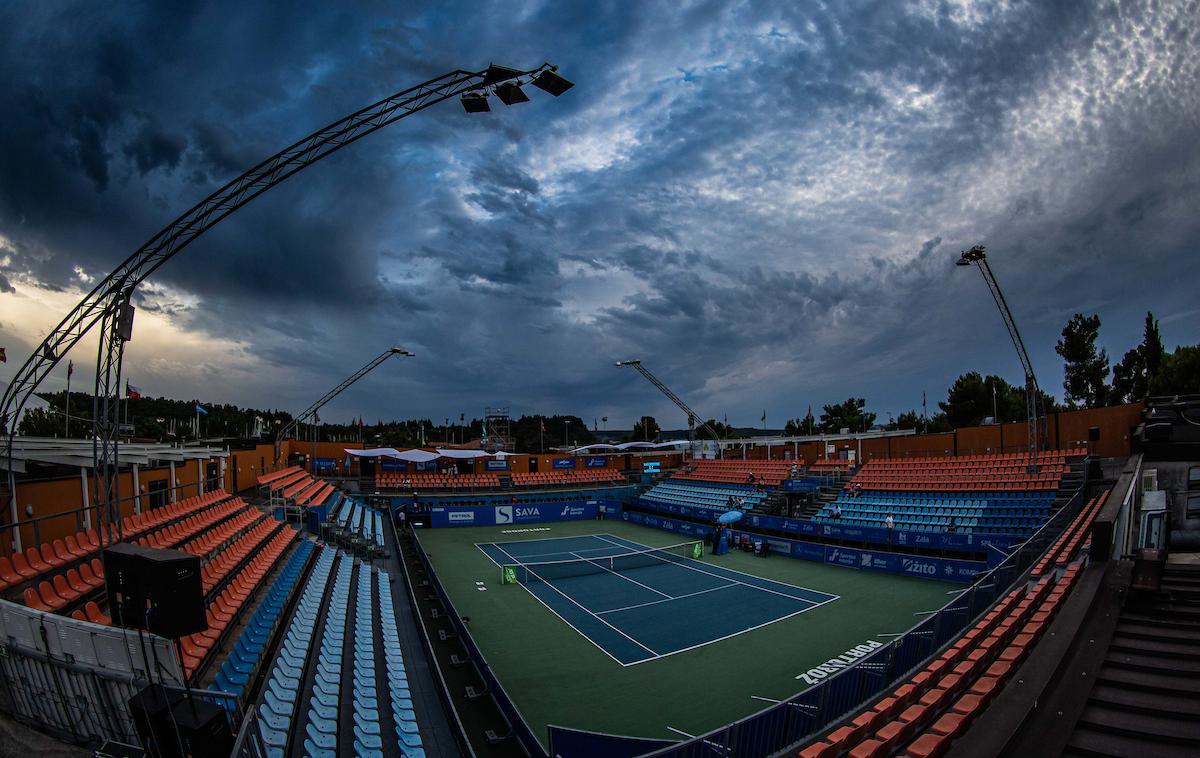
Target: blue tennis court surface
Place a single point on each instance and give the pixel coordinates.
(643, 612)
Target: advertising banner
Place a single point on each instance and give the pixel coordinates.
(515, 513)
(597, 462)
(497, 464)
(564, 463)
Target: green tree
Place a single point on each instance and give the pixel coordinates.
(1085, 369)
(800, 427)
(1179, 373)
(645, 430)
(722, 429)
(906, 420)
(1133, 375)
(851, 414)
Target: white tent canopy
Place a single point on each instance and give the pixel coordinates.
(630, 446)
(421, 456)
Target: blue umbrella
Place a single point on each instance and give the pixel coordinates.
(729, 517)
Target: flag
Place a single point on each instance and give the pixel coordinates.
(3, 356)
(71, 369)
(809, 415)
(132, 392)
(764, 417)
(200, 409)
(316, 417)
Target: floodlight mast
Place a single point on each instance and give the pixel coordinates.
(1034, 405)
(287, 431)
(692, 416)
(109, 302)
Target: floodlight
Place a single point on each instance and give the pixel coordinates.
(496, 74)
(552, 83)
(510, 93)
(974, 255)
(475, 102)
(628, 363)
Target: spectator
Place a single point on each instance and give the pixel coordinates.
(837, 510)
(951, 527)
(407, 483)
(402, 517)
(889, 522)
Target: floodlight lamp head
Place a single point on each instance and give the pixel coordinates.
(628, 363)
(551, 82)
(974, 255)
(475, 102)
(510, 93)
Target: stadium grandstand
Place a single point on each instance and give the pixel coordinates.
(335, 602)
(991, 589)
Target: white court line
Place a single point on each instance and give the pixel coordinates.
(657, 656)
(585, 610)
(620, 576)
(736, 581)
(680, 731)
(677, 597)
(768, 699)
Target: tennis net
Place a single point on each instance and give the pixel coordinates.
(548, 571)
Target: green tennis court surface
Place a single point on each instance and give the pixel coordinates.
(639, 604)
(556, 675)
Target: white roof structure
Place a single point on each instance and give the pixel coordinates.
(78, 453)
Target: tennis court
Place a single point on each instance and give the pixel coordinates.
(640, 604)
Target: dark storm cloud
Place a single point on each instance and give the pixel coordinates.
(763, 202)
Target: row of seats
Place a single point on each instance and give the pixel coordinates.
(225, 609)
(769, 473)
(980, 499)
(65, 590)
(1064, 547)
(923, 716)
(570, 476)
(360, 523)
(403, 715)
(281, 691)
(717, 498)
(830, 465)
(275, 476)
(295, 476)
(301, 489)
(191, 526)
(223, 564)
(435, 480)
(222, 535)
(938, 523)
(1045, 458)
(82, 546)
(321, 728)
(237, 671)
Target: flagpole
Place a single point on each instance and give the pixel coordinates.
(67, 402)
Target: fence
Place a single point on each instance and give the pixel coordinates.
(520, 727)
(787, 724)
(74, 679)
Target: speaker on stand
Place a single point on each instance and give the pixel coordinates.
(160, 591)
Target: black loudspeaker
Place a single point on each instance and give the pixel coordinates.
(203, 729)
(156, 590)
(123, 579)
(151, 711)
(172, 726)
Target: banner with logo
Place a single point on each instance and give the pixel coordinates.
(496, 464)
(513, 513)
(564, 463)
(597, 462)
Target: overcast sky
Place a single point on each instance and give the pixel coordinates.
(761, 201)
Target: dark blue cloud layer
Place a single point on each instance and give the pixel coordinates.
(761, 202)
